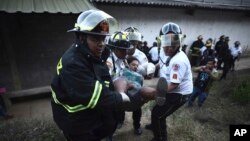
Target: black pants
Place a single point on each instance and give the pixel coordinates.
(160, 113)
(233, 63)
(136, 118)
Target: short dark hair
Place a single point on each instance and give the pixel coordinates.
(154, 44)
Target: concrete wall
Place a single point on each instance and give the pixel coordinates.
(209, 23)
(31, 45)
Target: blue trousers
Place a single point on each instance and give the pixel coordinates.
(202, 96)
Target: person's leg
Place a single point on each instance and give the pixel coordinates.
(233, 63)
(120, 119)
(148, 93)
(136, 121)
(202, 98)
(2, 103)
(219, 63)
(159, 114)
(193, 96)
(2, 111)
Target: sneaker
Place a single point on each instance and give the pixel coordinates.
(161, 87)
(149, 127)
(138, 131)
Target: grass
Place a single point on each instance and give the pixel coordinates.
(223, 107)
(29, 130)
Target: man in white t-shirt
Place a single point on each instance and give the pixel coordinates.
(175, 84)
(154, 53)
(236, 51)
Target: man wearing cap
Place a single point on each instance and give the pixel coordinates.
(236, 51)
(218, 50)
(207, 52)
(119, 45)
(195, 51)
(84, 101)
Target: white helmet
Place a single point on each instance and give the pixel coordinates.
(134, 34)
(171, 35)
(95, 22)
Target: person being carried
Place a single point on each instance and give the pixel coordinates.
(206, 75)
(145, 68)
(116, 62)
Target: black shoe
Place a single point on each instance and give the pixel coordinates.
(110, 138)
(161, 87)
(164, 139)
(138, 131)
(149, 127)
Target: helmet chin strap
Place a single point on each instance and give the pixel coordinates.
(170, 57)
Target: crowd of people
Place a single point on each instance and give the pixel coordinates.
(96, 82)
(223, 54)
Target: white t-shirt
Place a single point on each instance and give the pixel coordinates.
(202, 50)
(144, 68)
(140, 56)
(154, 53)
(178, 71)
(235, 51)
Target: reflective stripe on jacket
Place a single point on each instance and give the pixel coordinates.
(83, 82)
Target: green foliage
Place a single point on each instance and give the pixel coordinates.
(241, 93)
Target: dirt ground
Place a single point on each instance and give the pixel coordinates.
(39, 108)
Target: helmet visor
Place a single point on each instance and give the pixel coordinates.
(171, 28)
(170, 40)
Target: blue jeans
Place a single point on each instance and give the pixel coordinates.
(202, 96)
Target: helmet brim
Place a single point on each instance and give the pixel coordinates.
(118, 47)
(88, 32)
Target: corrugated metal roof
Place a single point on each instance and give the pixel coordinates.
(216, 4)
(41, 6)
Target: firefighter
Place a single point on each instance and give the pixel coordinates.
(145, 68)
(119, 45)
(195, 51)
(174, 92)
(84, 103)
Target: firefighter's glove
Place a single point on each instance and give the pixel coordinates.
(125, 98)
